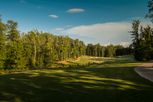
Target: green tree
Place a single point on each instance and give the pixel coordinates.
(14, 57)
(150, 10)
(48, 52)
(2, 42)
(110, 51)
(142, 41)
(136, 39)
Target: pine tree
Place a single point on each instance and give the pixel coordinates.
(136, 39)
(150, 10)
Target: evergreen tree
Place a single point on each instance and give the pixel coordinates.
(136, 39)
(150, 10)
(142, 41)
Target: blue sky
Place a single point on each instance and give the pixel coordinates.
(107, 20)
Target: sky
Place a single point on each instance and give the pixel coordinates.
(92, 21)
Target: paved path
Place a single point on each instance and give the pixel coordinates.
(146, 71)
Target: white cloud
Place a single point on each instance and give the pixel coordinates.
(53, 16)
(104, 33)
(75, 10)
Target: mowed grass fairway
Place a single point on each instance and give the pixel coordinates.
(107, 80)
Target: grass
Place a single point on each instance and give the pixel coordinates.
(112, 80)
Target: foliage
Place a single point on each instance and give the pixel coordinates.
(142, 41)
(107, 51)
(150, 11)
(143, 37)
(34, 49)
(2, 42)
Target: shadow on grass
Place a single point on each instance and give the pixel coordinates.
(112, 84)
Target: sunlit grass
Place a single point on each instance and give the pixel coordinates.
(112, 80)
(83, 60)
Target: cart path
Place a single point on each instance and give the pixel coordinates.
(146, 70)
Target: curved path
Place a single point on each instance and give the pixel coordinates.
(146, 71)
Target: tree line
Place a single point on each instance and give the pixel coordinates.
(37, 49)
(34, 49)
(143, 37)
(107, 51)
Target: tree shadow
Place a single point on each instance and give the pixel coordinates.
(76, 85)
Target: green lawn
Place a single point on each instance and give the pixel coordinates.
(112, 80)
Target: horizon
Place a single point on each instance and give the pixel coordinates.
(105, 22)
